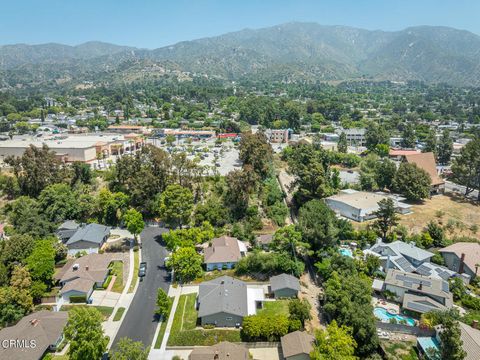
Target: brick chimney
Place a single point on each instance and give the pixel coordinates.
(461, 267)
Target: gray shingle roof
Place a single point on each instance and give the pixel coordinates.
(221, 351)
(224, 294)
(284, 281)
(45, 327)
(402, 248)
(297, 343)
(94, 233)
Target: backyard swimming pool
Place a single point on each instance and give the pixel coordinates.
(346, 252)
(383, 315)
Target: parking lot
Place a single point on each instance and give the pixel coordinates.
(217, 159)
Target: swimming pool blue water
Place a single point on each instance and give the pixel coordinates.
(383, 315)
(346, 252)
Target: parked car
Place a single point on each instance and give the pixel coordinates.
(142, 269)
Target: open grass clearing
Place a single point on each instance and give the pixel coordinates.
(118, 315)
(277, 307)
(117, 270)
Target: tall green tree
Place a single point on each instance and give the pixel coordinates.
(26, 216)
(41, 262)
(375, 134)
(127, 349)
(256, 152)
(431, 142)
(317, 223)
(58, 202)
(186, 264)
(36, 169)
(334, 343)
(163, 304)
(466, 167)
(342, 145)
(445, 148)
(85, 334)
(412, 182)
(386, 217)
(175, 205)
(451, 343)
(289, 239)
(134, 222)
(408, 136)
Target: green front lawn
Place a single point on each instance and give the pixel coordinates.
(185, 333)
(136, 265)
(163, 327)
(106, 311)
(276, 307)
(117, 270)
(118, 315)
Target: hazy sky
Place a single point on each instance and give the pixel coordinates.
(156, 23)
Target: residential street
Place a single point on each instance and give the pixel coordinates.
(140, 323)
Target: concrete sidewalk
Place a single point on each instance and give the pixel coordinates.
(163, 353)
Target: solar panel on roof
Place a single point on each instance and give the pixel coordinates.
(404, 264)
(419, 307)
(423, 270)
(445, 286)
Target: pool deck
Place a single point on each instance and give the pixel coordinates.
(389, 306)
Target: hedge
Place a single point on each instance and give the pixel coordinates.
(76, 299)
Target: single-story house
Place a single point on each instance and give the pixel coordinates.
(79, 277)
(222, 302)
(362, 205)
(462, 257)
(224, 253)
(417, 292)
(88, 238)
(66, 230)
(297, 345)
(426, 161)
(284, 286)
(222, 351)
(33, 335)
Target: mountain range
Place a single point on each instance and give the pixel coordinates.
(287, 52)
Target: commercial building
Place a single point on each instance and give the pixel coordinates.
(69, 148)
(355, 136)
(361, 205)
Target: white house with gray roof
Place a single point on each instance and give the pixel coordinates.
(87, 237)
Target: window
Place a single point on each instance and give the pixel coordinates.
(229, 318)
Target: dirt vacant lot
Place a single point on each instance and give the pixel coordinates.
(453, 209)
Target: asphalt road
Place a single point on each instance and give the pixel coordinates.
(140, 322)
(452, 187)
